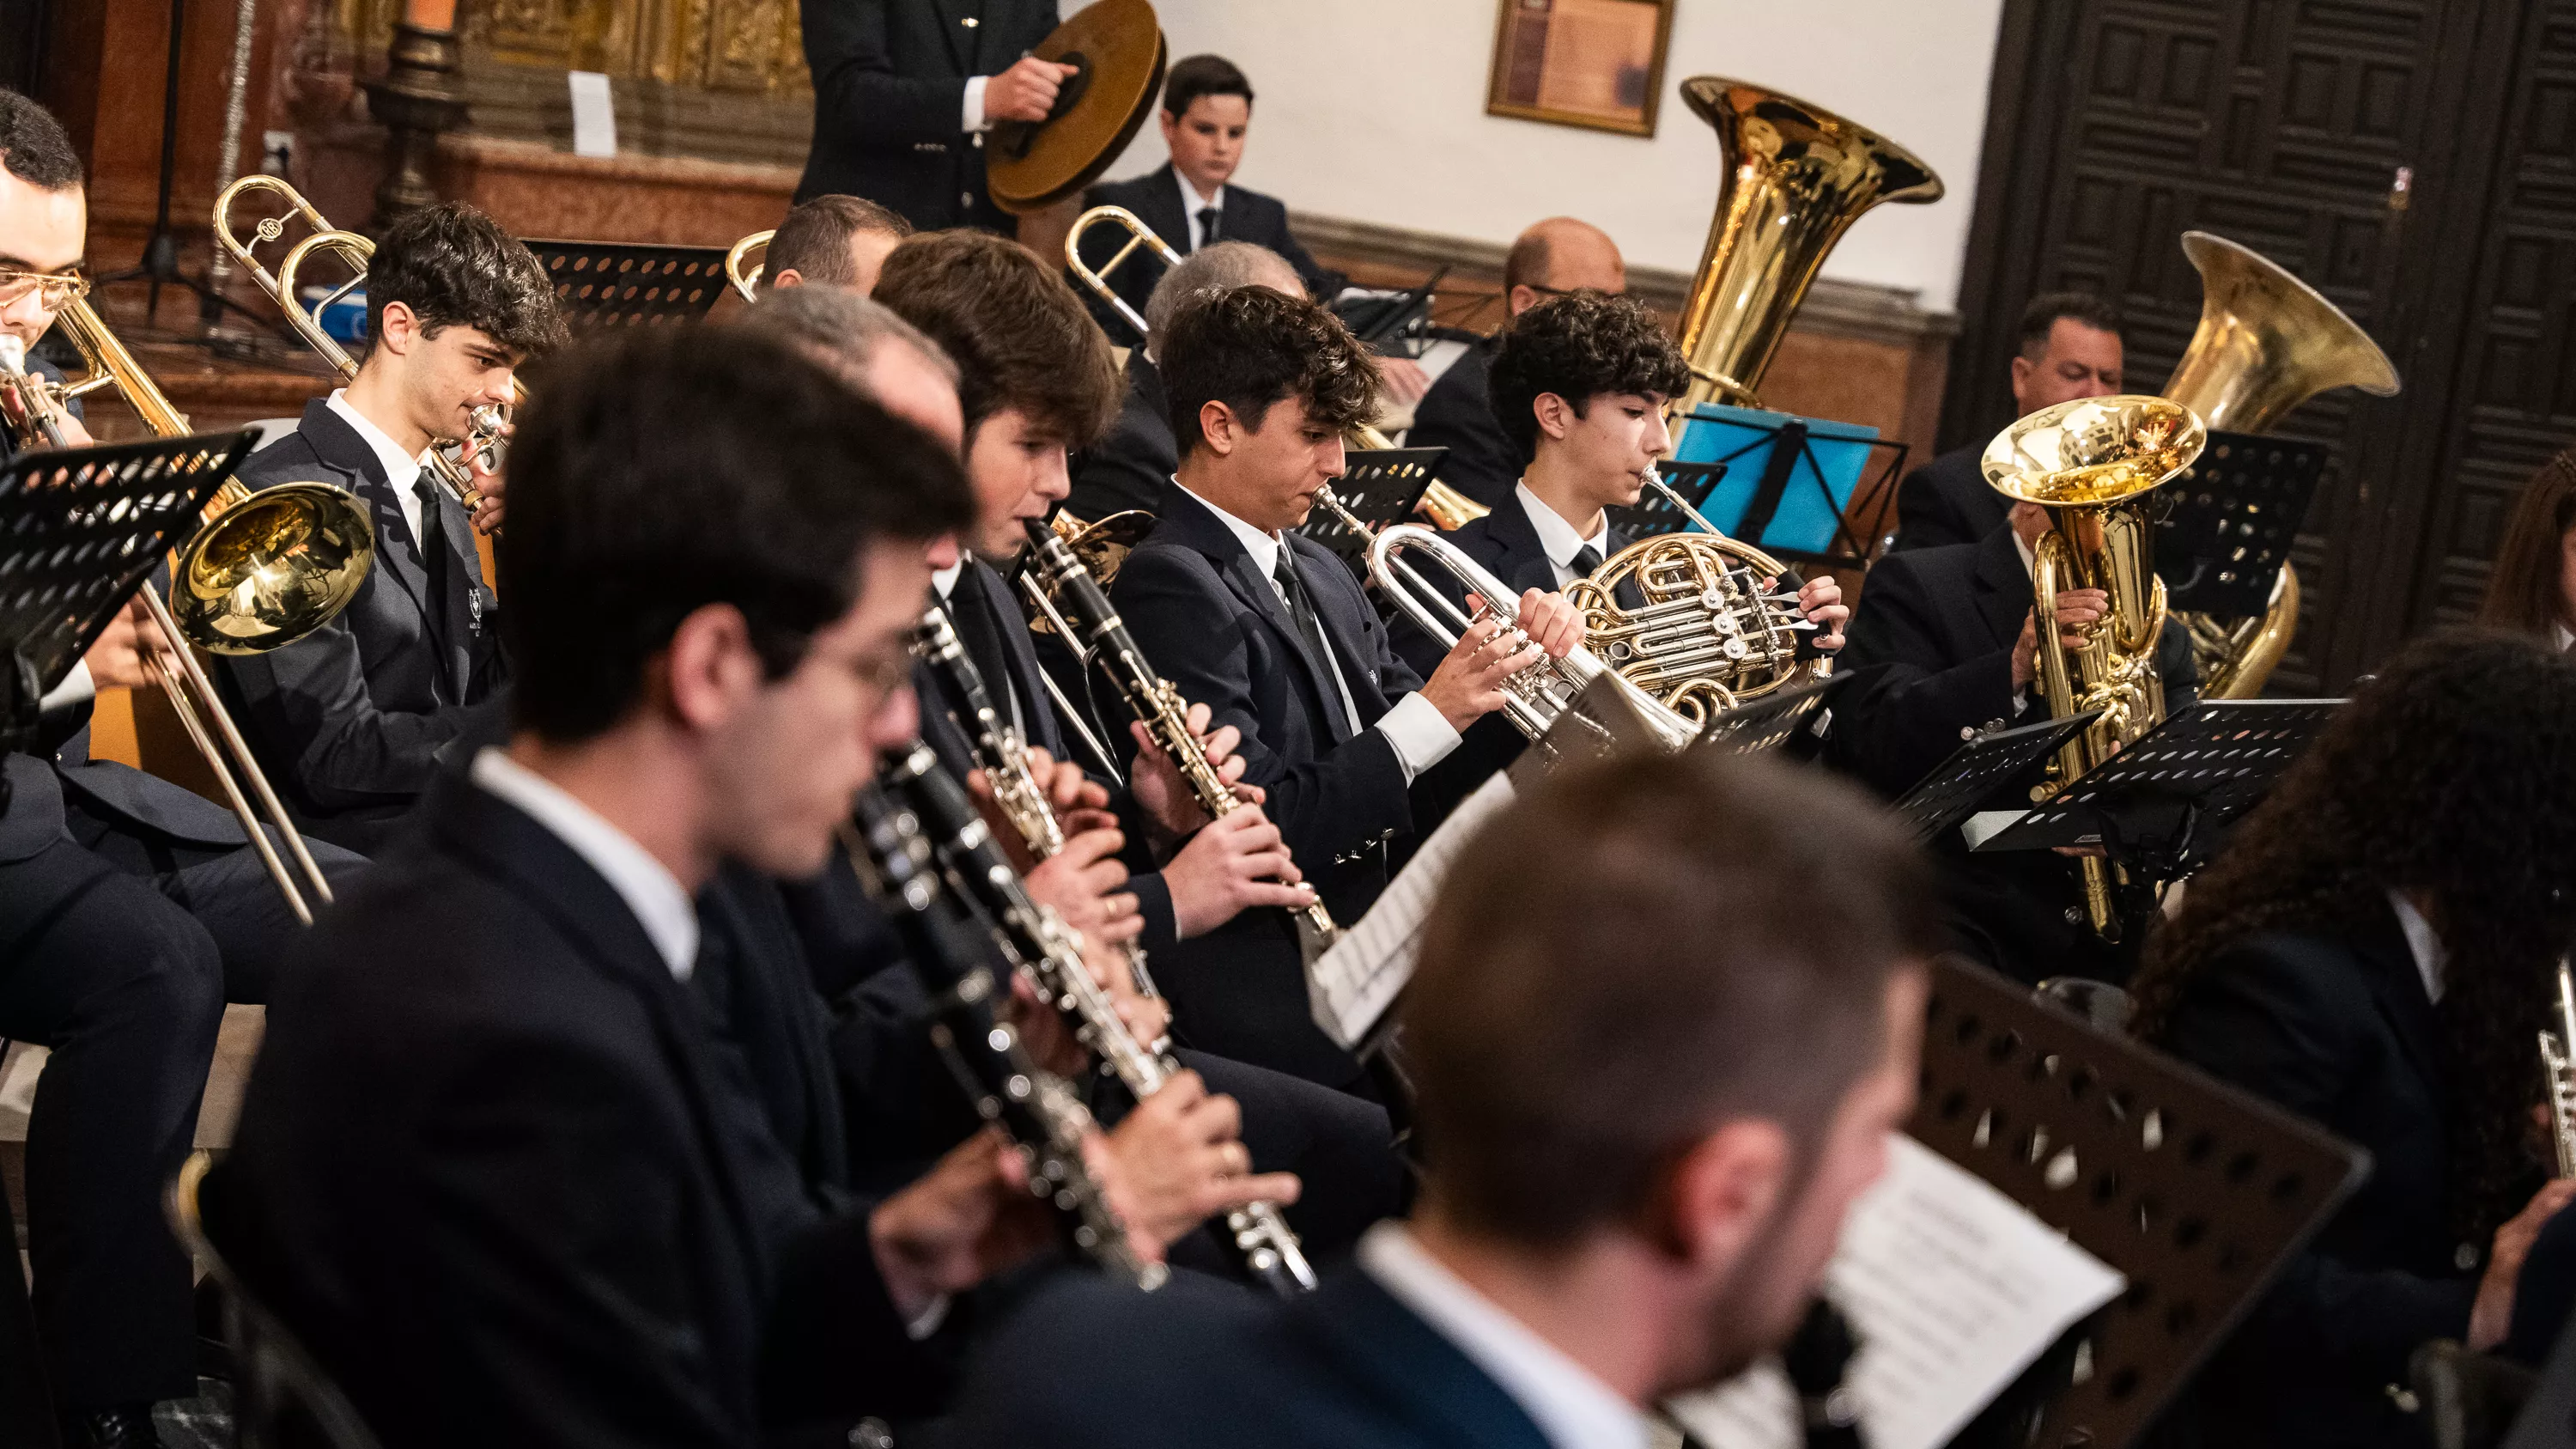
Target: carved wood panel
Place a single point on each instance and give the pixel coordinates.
(2318, 132)
(734, 46)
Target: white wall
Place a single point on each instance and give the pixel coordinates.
(1374, 110)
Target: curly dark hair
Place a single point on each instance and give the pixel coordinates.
(1250, 347)
(1020, 337)
(2451, 773)
(2526, 592)
(454, 267)
(1579, 346)
(34, 147)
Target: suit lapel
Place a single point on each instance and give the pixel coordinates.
(2003, 588)
(1195, 525)
(1376, 1340)
(1521, 560)
(1021, 654)
(341, 450)
(2397, 985)
(462, 629)
(1163, 210)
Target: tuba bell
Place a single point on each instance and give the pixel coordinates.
(2266, 343)
(2091, 464)
(1796, 177)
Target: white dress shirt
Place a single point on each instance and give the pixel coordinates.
(1557, 538)
(2422, 944)
(2029, 565)
(1192, 204)
(973, 119)
(1571, 1407)
(1415, 726)
(661, 907)
(400, 471)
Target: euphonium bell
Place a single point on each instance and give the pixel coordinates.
(1797, 176)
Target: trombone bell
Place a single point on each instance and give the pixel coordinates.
(271, 569)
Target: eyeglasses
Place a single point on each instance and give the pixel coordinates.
(55, 290)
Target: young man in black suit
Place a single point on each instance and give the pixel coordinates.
(1191, 201)
(1578, 388)
(1655, 1071)
(351, 720)
(905, 92)
(495, 1167)
(1553, 257)
(2070, 349)
(1271, 632)
(1957, 629)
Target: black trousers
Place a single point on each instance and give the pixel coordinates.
(126, 989)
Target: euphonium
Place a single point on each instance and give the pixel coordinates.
(1797, 176)
(2558, 1074)
(2091, 464)
(2266, 343)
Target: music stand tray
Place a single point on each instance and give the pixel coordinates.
(624, 284)
(80, 530)
(1654, 515)
(2195, 1191)
(1769, 722)
(2165, 802)
(1980, 766)
(2235, 512)
(1381, 486)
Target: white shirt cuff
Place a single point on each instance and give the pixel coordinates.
(76, 686)
(1420, 733)
(929, 1319)
(974, 121)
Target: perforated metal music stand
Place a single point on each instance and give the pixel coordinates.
(1382, 486)
(621, 284)
(1769, 722)
(2165, 802)
(2234, 514)
(2196, 1192)
(1963, 784)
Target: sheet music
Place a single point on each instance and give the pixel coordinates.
(1985, 825)
(1354, 983)
(1953, 1288)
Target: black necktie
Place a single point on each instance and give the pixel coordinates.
(1587, 559)
(1209, 216)
(434, 556)
(1299, 610)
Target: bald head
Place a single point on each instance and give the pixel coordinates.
(1223, 266)
(1561, 254)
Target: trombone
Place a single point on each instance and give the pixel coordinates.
(483, 425)
(265, 570)
(741, 270)
(1097, 279)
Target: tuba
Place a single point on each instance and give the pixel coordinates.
(2266, 343)
(2091, 464)
(1797, 176)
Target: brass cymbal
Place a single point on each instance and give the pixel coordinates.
(1119, 46)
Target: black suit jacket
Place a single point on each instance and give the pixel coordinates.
(1131, 464)
(1247, 216)
(2336, 1027)
(1213, 625)
(889, 101)
(498, 1172)
(1947, 501)
(351, 720)
(1943, 621)
(1457, 415)
(1346, 1367)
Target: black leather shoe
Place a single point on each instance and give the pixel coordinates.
(128, 1426)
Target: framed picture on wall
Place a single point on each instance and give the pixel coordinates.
(1593, 63)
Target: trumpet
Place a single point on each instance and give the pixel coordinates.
(1533, 698)
(1138, 235)
(1051, 955)
(265, 570)
(741, 270)
(355, 252)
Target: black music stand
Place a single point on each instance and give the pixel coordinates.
(1982, 765)
(80, 530)
(1769, 722)
(2165, 802)
(2198, 1193)
(2234, 514)
(621, 284)
(1381, 486)
(1653, 514)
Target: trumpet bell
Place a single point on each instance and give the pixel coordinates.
(272, 568)
(2266, 342)
(2093, 451)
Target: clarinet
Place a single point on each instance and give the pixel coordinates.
(1004, 759)
(1040, 1115)
(1152, 699)
(1051, 954)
